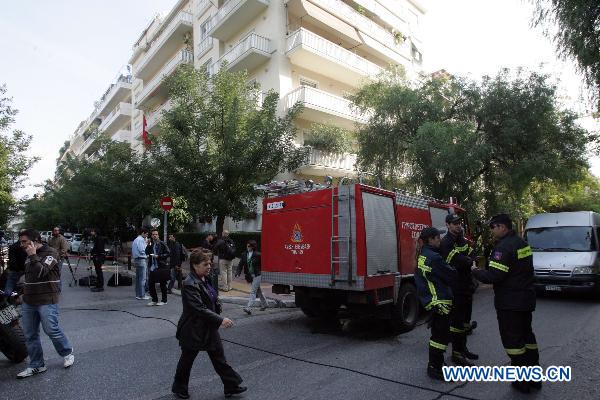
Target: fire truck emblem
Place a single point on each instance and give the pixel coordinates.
(297, 234)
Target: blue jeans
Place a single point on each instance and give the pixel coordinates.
(141, 271)
(12, 278)
(47, 315)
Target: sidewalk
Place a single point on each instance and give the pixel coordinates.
(238, 295)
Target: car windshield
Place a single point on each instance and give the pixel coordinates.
(563, 238)
(77, 237)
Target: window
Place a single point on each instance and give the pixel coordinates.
(204, 29)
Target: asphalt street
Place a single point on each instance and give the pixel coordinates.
(123, 356)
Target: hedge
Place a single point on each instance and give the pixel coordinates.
(193, 239)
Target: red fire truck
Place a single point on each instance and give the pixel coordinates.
(352, 246)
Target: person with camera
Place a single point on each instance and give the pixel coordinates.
(98, 257)
(40, 303)
(158, 253)
(198, 329)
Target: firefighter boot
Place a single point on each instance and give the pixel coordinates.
(470, 355)
(521, 386)
(532, 357)
(459, 358)
(434, 367)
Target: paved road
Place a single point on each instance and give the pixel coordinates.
(120, 356)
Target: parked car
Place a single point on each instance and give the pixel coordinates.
(45, 235)
(68, 236)
(75, 243)
(566, 248)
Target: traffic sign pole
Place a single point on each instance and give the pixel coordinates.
(165, 228)
(167, 204)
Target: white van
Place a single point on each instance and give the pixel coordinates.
(565, 251)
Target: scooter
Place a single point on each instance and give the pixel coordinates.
(12, 338)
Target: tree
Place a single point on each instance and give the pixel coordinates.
(216, 142)
(103, 194)
(484, 142)
(14, 159)
(574, 26)
(329, 138)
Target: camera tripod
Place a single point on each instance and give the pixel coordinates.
(73, 272)
(88, 259)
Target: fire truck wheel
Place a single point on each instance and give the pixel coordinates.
(406, 310)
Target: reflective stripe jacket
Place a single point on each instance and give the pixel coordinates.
(433, 278)
(511, 271)
(455, 251)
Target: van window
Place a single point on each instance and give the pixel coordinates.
(563, 238)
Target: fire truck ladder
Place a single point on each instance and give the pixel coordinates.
(338, 240)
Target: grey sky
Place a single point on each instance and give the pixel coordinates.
(58, 57)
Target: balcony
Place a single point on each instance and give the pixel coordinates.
(205, 46)
(116, 119)
(233, 16)
(321, 163)
(154, 91)
(324, 107)
(154, 117)
(203, 6)
(249, 53)
(117, 92)
(122, 135)
(307, 49)
(163, 47)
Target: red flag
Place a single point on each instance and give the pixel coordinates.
(147, 141)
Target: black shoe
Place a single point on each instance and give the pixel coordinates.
(97, 289)
(469, 355)
(537, 385)
(435, 373)
(182, 394)
(522, 387)
(263, 308)
(169, 291)
(469, 329)
(236, 390)
(460, 359)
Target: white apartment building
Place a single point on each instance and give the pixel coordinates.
(309, 51)
(111, 117)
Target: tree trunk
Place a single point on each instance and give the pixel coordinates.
(220, 223)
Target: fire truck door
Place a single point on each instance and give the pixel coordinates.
(380, 232)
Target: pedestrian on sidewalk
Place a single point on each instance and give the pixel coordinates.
(208, 244)
(198, 329)
(250, 266)
(59, 243)
(158, 253)
(138, 253)
(178, 255)
(40, 303)
(225, 249)
(98, 256)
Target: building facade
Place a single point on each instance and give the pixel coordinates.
(310, 51)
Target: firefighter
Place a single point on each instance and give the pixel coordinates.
(455, 250)
(510, 270)
(434, 278)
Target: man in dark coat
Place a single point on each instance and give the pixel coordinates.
(158, 254)
(98, 255)
(16, 267)
(177, 257)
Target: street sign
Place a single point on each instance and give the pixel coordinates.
(155, 222)
(166, 203)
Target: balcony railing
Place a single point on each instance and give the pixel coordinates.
(318, 159)
(155, 117)
(252, 42)
(121, 108)
(332, 51)
(182, 18)
(203, 5)
(229, 9)
(323, 101)
(182, 57)
(204, 46)
(338, 7)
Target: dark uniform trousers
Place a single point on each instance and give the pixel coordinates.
(229, 377)
(440, 337)
(458, 321)
(518, 338)
(98, 260)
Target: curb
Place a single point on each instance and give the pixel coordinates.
(242, 301)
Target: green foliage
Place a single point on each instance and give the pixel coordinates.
(483, 142)
(548, 196)
(14, 159)
(574, 26)
(101, 194)
(216, 142)
(329, 138)
(193, 239)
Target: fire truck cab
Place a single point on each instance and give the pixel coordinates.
(352, 247)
